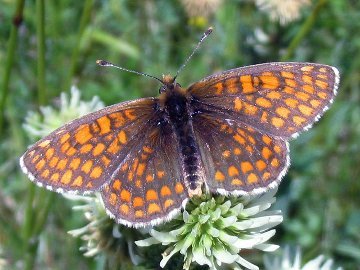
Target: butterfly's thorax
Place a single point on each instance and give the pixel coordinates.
(178, 113)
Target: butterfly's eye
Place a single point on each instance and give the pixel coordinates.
(162, 89)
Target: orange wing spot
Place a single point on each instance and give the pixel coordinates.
(289, 90)
(78, 181)
(138, 183)
(252, 178)
(233, 171)
(144, 157)
(74, 164)
(140, 169)
(275, 162)
(87, 166)
(246, 83)
(283, 112)
(109, 137)
(104, 124)
(122, 137)
(237, 182)
(277, 149)
(139, 213)
(256, 81)
(239, 139)
(86, 148)
(303, 96)
(277, 122)
(149, 178)
(118, 119)
(263, 102)
(306, 110)
(168, 203)
(179, 188)
(231, 85)
(266, 176)
(217, 88)
(322, 76)
(160, 174)
(290, 82)
(307, 68)
(298, 120)
(226, 154)
(112, 198)
(138, 202)
(322, 95)
(62, 164)
(249, 109)
(322, 69)
(148, 149)
(250, 139)
(266, 153)
(124, 167)
(114, 147)
(292, 103)
(315, 103)
(53, 162)
(35, 158)
(151, 195)
(96, 172)
(129, 114)
(260, 165)
(83, 134)
(288, 75)
(64, 138)
(154, 208)
(237, 104)
(99, 148)
(105, 160)
(165, 191)
(40, 164)
(264, 117)
(71, 151)
(124, 208)
(308, 88)
(219, 176)
(246, 167)
(44, 143)
(266, 139)
(117, 184)
(49, 153)
(273, 95)
(125, 195)
(249, 149)
(269, 80)
(55, 177)
(65, 147)
(237, 151)
(130, 176)
(45, 173)
(66, 178)
(307, 79)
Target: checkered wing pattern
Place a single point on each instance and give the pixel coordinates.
(82, 155)
(237, 158)
(148, 187)
(278, 99)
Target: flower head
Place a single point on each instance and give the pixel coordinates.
(213, 230)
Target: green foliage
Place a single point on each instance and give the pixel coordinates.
(320, 195)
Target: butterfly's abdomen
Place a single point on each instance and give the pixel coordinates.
(180, 118)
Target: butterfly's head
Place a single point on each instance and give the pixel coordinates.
(169, 83)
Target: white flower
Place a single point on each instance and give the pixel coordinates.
(213, 230)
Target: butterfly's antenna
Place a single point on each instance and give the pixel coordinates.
(204, 36)
(104, 63)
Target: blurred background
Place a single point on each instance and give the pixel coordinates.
(48, 46)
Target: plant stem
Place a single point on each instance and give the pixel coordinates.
(305, 29)
(40, 25)
(12, 42)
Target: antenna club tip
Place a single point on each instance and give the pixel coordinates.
(209, 31)
(102, 62)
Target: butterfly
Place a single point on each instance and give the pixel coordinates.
(227, 134)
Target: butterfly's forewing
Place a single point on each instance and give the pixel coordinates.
(82, 155)
(279, 99)
(148, 187)
(237, 158)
